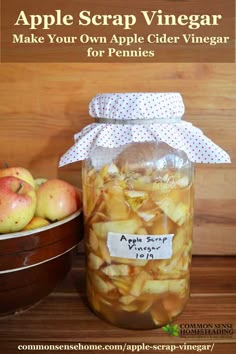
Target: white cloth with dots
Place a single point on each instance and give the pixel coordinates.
(152, 116)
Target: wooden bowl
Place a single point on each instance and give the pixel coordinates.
(33, 262)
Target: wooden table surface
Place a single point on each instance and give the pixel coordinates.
(64, 318)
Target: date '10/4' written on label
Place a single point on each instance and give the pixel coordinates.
(140, 246)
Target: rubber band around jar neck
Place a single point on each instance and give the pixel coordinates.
(137, 121)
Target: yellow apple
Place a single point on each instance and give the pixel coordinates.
(57, 199)
(19, 172)
(35, 223)
(17, 204)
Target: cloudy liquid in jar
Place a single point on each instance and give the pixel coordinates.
(137, 293)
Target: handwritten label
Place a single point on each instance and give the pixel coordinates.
(140, 246)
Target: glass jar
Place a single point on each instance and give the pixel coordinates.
(138, 211)
(138, 205)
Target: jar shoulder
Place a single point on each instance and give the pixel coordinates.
(141, 155)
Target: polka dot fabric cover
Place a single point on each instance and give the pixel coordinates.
(161, 106)
(166, 108)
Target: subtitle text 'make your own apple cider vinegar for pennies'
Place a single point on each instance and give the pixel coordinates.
(138, 205)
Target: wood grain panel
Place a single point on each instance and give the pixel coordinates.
(43, 105)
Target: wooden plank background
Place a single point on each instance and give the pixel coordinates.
(43, 105)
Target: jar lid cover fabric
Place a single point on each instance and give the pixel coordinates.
(122, 118)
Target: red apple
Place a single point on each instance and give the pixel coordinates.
(19, 172)
(17, 204)
(57, 199)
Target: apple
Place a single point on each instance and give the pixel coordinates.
(35, 223)
(57, 199)
(17, 204)
(19, 172)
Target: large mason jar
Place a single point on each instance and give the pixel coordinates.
(137, 181)
(138, 210)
